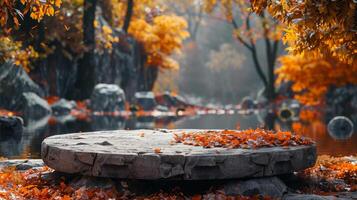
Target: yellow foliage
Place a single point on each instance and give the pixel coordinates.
(41, 9)
(312, 76)
(15, 52)
(105, 38)
(37, 8)
(160, 38)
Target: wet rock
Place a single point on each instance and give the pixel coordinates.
(347, 195)
(107, 98)
(169, 100)
(33, 107)
(247, 103)
(11, 127)
(14, 81)
(133, 155)
(22, 164)
(271, 186)
(63, 107)
(145, 100)
(340, 127)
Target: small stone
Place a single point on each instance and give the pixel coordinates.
(145, 100)
(271, 186)
(63, 107)
(22, 164)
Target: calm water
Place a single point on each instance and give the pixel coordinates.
(29, 144)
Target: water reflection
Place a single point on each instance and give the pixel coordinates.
(311, 124)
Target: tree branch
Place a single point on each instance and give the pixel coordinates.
(241, 40)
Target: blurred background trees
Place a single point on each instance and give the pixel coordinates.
(193, 47)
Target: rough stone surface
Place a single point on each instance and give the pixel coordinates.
(107, 98)
(14, 78)
(10, 127)
(131, 154)
(270, 186)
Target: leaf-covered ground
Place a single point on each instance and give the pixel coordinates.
(328, 176)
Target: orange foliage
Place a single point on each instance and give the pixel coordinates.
(316, 27)
(157, 150)
(30, 184)
(8, 113)
(37, 8)
(329, 168)
(241, 139)
(161, 38)
(312, 76)
(14, 51)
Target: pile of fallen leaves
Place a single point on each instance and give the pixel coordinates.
(37, 184)
(251, 138)
(333, 174)
(31, 184)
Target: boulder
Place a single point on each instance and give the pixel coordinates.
(247, 103)
(63, 107)
(14, 81)
(107, 98)
(33, 107)
(270, 186)
(11, 127)
(169, 100)
(145, 100)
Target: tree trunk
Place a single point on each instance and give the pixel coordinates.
(86, 69)
(148, 77)
(129, 13)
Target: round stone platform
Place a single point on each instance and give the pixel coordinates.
(151, 154)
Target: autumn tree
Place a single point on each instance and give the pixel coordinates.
(160, 32)
(322, 41)
(191, 10)
(12, 15)
(248, 30)
(320, 28)
(312, 77)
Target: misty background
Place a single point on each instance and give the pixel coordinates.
(214, 66)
